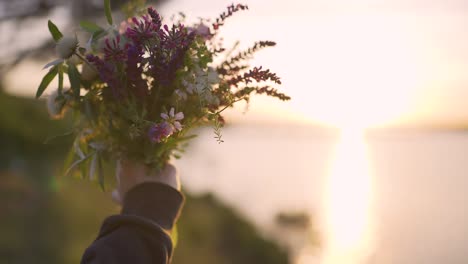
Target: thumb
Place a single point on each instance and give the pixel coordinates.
(116, 197)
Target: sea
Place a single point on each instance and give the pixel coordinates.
(418, 181)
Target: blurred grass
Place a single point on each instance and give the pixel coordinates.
(49, 219)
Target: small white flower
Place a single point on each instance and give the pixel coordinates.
(66, 47)
(189, 87)
(56, 105)
(203, 30)
(212, 99)
(213, 76)
(201, 81)
(173, 118)
(201, 86)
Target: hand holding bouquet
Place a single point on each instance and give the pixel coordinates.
(138, 89)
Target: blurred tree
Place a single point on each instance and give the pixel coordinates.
(298, 220)
(297, 232)
(24, 127)
(210, 232)
(31, 228)
(18, 16)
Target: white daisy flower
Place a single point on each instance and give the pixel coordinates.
(66, 47)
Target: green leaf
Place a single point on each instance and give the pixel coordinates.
(98, 35)
(89, 110)
(100, 174)
(76, 163)
(60, 80)
(186, 138)
(49, 139)
(46, 81)
(108, 10)
(93, 165)
(77, 149)
(68, 160)
(90, 27)
(83, 169)
(75, 79)
(54, 31)
(53, 63)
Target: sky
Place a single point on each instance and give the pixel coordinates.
(360, 61)
(347, 63)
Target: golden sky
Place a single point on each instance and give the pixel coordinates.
(361, 61)
(344, 62)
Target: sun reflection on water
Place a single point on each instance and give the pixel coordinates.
(348, 237)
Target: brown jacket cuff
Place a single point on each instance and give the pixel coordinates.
(155, 201)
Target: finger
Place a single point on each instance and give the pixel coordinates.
(116, 197)
(169, 170)
(169, 176)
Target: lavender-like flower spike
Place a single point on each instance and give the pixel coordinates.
(156, 18)
(230, 11)
(142, 30)
(135, 82)
(113, 50)
(107, 74)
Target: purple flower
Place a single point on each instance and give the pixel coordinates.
(160, 131)
(156, 18)
(178, 36)
(113, 50)
(170, 54)
(173, 119)
(142, 30)
(134, 72)
(107, 74)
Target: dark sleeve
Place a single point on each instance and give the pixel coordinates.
(140, 233)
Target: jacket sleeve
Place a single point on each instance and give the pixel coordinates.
(140, 234)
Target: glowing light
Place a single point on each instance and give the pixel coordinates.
(363, 69)
(348, 202)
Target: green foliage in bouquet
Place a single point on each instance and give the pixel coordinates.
(137, 89)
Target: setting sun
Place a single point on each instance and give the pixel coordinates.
(366, 72)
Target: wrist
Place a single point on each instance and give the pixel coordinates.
(131, 174)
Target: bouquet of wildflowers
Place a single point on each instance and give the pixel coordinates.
(137, 89)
